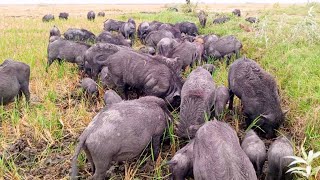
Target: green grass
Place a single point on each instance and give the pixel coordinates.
(285, 43)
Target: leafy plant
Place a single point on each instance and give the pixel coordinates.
(304, 164)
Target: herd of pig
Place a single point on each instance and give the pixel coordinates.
(91, 15)
(124, 128)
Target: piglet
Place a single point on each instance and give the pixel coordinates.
(255, 149)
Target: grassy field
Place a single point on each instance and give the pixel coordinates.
(37, 142)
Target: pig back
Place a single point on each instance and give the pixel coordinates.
(218, 155)
(126, 128)
(187, 53)
(252, 84)
(197, 98)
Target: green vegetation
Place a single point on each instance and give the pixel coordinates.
(38, 141)
(304, 164)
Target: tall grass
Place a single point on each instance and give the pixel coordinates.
(285, 43)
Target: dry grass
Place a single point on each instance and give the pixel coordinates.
(37, 142)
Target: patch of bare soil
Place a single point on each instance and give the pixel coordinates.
(38, 159)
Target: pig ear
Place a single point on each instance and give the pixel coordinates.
(285, 111)
(266, 116)
(172, 162)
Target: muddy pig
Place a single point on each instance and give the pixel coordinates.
(197, 97)
(101, 14)
(64, 15)
(131, 20)
(106, 80)
(202, 18)
(187, 28)
(221, 99)
(128, 30)
(255, 149)
(218, 155)
(143, 30)
(90, 87)
(236, 12)
(147, 50)
(208, 39)
(79, 35)
(172, 63)
(47, 18)
(96, 53)
(53, 38)
(259, 96)
(225, 46)
(209, 67)
(186, 52)
(14, 80)
(91, 16)
(199, 43)
(154, 37)
(55, 31)
(169, 27)
(113, 38)
(181, 164)
(112, 25)
(110, 97)
(252, 19)
(221, 20)
(131, 69)
(69, 51)
(277, 160)
(121, 132)
(165, 46)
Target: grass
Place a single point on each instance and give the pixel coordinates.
(38, 141)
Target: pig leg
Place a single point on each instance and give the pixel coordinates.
(259, 167)
(26, 92)
(101, 166)
(138, 93)
(20, 94)
(89, 158)
(237, 54)
(205, 57)
(126, 90)
(231, 97)
(122, 87)
(132, 37)
(50, 61)
(228, 59)
(80, 63)
(156, 146)
(126, 34)
(60, 62)
(191, 65)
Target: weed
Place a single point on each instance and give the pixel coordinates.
(305, 164)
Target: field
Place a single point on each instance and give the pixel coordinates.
(38, 141)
